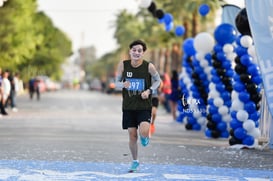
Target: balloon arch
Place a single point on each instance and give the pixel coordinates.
(221, 83)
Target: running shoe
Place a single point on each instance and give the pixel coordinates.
(134, 166)
(144, 141)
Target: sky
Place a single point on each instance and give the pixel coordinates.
(89, 22)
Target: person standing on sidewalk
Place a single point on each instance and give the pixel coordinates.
(6, 87)
(135, 77)
(174, 96)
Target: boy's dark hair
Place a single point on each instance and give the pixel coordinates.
(138, 42)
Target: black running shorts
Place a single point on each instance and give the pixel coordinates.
(132, 119)
(155, 101)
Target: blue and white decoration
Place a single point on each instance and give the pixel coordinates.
(246, 96)
(219, 100)
(167, 19)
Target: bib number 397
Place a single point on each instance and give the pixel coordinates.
(136, 84)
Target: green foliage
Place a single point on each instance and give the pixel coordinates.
(29, 42)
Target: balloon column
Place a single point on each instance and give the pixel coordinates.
(200, 71)
(220, 87)
(246, 95)
(190, 107)
(185, 82)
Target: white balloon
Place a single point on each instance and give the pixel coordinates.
(246, 41)
(226, 118)
(228, 48)
(201, 120)
(212, 86)
(203, 42)
(187, 80)
(223, 110)
(204, 63)
(214, 94)
(231, 56)
(234, 95)
(218, 102)
(1, 3)
(242, 115)
(237, 105)
(197, 114)
(145, 3)
(256, 133)
(208, 71)
(199, 55)
(249, 125)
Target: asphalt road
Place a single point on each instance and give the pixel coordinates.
(84, 127)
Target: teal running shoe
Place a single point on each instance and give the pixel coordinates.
(144, 141)
(134, 166)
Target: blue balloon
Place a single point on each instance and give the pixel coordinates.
(228, 103)
(191, 120)
(168, 18)
(220, 87)
(222, 126)
(240, 133)
(216, 117)
(225, 96)
(253, 70)
(208, 57)
(257, 79)
(218, 48)
(196, 127)
(204, 9)
(169, 27)
(233, 114)
(225, 33)
(162, 20)
(238, 87)
(244, 96)
(255, 116)
(226, 64)
(234, 124)
(203, 77)
(210, 101)
(248, 140)
(229, 72)
(208, 133)
(225, 134)
(179, 30)
(180, 118)
(215, 79)
(188, 47)
(221, 56)
(250, 107)
(240, 50)
(213, 109)
(246, 60)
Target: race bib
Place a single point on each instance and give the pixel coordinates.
(136, 84)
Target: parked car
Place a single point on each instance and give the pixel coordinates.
(95, 84)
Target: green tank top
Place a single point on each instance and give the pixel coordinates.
(140, 80)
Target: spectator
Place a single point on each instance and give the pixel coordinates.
(174, 96)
